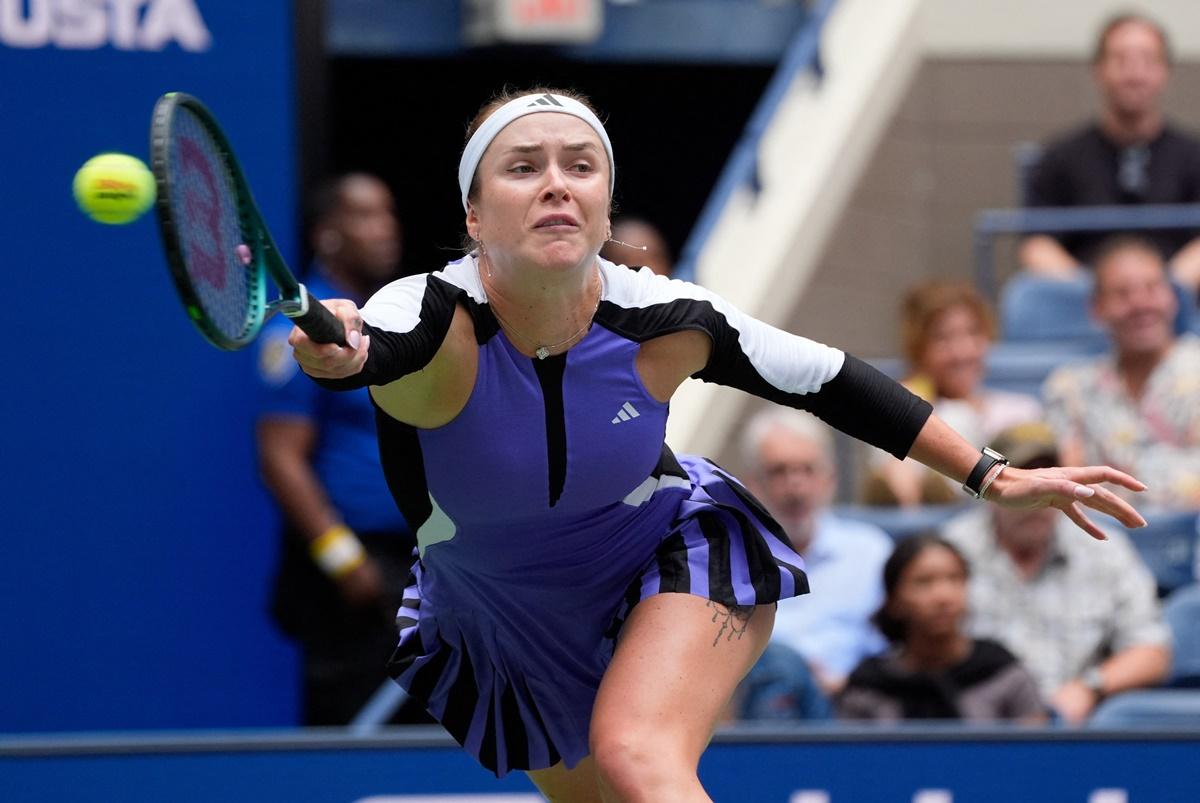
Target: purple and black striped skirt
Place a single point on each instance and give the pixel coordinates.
(505, 631)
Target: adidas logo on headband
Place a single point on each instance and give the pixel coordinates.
(519, 107)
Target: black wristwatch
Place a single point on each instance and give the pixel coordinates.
(990, 459)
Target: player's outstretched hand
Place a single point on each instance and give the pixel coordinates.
(1069, 490)
(329, 360)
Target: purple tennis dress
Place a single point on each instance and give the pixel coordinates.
(551, 505)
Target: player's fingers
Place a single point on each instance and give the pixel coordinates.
(327, 360)
(1108, 502)
(1075, 514)
(1064, 489)
(348, 313)
(1094, 474)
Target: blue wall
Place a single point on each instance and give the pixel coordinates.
(135, 544)
(846, 768)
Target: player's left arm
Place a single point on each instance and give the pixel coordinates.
(857, 399)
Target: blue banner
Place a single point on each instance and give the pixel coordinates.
(137, 543)
(846, 768)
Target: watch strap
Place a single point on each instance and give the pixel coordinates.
(987, 461)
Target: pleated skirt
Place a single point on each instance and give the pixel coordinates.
(509, 660)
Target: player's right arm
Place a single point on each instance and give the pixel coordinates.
(412, 344)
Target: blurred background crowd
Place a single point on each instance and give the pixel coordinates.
(1008, 223)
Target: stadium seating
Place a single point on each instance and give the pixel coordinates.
(901, 522)
(1153, 708)
(1050, 311)
(1022, 366)
(1045, 323)
(1182, 612)
(1168, 546)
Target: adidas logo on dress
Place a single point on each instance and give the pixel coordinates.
(627, 412)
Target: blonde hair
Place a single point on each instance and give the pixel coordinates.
(925, 302)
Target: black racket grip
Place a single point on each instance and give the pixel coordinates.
(320, 324)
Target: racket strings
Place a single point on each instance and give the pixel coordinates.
(204, 200)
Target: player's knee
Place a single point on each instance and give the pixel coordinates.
(634, 765)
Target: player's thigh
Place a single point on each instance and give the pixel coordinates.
(677, 663)
(561, 785)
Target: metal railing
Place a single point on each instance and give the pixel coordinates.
(804, 53)
(992, 223)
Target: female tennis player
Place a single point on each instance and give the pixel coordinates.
(586, 601)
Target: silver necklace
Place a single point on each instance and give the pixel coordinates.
(542, 351)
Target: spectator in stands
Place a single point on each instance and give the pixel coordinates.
(934, 670)
(345, 548)
(780, 686)
(1083, 616)
(1137, 409)
(946, 329)
(636, 243)
(790, 466)
(1131, 155)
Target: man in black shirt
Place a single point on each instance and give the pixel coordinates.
(1129, 156)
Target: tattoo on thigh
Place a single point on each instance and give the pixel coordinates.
(735, 619)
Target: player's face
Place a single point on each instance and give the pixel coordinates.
(796, 480)
(1133, 71)
(931, 594)
(1135, 301)
(955, 348)
(543, 194)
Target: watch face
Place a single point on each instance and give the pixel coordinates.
(990, 452)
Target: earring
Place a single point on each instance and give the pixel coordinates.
(487, 263)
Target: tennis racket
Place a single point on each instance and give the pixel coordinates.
(218, 247)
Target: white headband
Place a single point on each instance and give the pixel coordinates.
(520, 107)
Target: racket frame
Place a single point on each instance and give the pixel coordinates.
(294, 301)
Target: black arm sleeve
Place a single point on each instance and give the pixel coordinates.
(865, 403)
(407, 322)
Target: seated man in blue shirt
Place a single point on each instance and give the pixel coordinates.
(346, 549)
(789, 465)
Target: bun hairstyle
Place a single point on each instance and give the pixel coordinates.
(908, 550)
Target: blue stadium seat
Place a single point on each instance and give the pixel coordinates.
(1056, 312)
(1182, 612)
(1022, 366)
(901, 522)
(1153, 708)
(1168, 546)
(1049, 310)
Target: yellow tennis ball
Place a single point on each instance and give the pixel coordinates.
(114, 188)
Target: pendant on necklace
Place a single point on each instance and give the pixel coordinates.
(542, 352)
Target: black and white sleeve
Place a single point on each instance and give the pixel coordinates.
(845, 392)
(407, 321)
